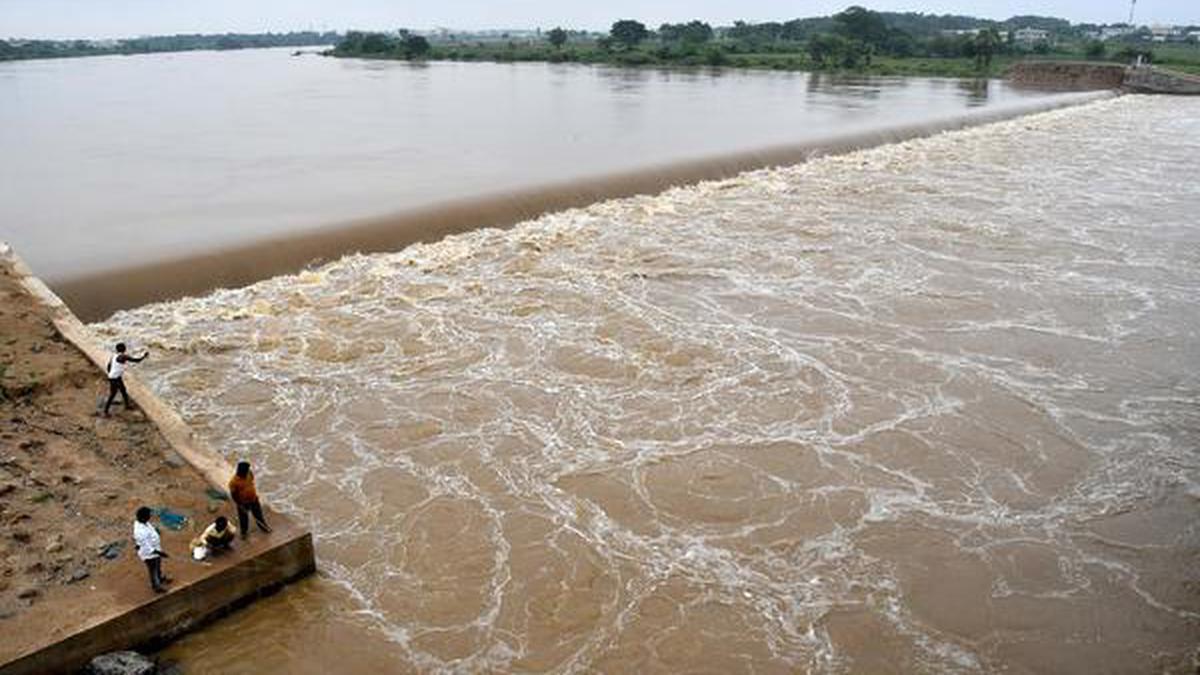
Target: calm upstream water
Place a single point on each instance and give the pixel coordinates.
(930, 407)
(112, 162)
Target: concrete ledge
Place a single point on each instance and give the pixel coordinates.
(202, 592)
(155, 623)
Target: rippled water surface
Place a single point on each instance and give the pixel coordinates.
(927, 407)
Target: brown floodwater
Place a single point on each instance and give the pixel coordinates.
(185, 172)
(928, 407)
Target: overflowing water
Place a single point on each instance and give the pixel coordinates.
(926, 407)
(110, 166)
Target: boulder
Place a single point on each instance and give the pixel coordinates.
(121, 663)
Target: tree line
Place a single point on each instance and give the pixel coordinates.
(856, 38)
(51, 49)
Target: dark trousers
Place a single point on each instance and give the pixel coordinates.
(114, 386)
(154, 567)
(244, 511)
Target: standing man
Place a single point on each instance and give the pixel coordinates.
(245, 496)
(149, 549)
(115, 372)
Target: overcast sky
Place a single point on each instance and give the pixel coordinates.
(124, 18)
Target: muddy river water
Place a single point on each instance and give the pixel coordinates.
(930, 407)
(113, 162)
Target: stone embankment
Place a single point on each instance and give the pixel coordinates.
(1085, 76)
(1068, 75)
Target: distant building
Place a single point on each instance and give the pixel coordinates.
(1031, 35)
(971, 32)
(1112, 32)
(1160, 33)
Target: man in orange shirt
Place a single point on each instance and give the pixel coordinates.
(245, 497)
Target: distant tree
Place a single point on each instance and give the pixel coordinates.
(693, 32)
(899, 43)
(376, 43)
(557, 37)
(414, 46)
(1048, 23)
(628, 33)
(1095, 50)
(861, 24)
(755, 35)
(829, 50)
(987, 41)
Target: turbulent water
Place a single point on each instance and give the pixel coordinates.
(927, 407)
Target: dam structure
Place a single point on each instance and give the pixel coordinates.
(927, 407)
(695, 371)
(295, 161)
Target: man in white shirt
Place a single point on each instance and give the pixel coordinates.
(115, 371)
(149, 549)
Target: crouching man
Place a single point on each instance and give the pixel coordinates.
(216, 538)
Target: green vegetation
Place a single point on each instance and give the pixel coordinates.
(855, 40)
(1182, 57)
(557, 37)
(11, 50)
(403, 45)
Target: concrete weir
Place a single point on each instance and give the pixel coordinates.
(64, 642)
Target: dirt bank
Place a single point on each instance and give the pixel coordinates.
(70, 481)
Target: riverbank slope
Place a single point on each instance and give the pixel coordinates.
(70, 481)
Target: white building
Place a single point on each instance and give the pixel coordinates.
(1160, 33)
(950, 32)
(1110, 32)
(1031, 35)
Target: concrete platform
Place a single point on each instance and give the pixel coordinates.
(116, 609)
